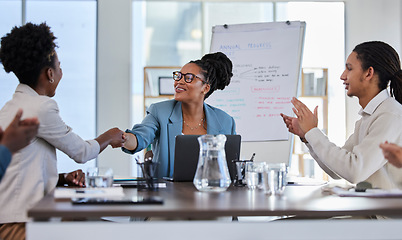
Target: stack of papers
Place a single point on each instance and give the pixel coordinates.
(133, 182)
(68, 193)
(136, 184)
(368, 193)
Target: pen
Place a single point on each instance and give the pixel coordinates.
(89, 191)
(252, 157)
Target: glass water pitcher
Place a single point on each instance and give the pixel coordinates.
(212, 172)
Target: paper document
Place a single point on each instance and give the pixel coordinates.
(120, 179)
(368, 193)
(68, 193)
(304, 181)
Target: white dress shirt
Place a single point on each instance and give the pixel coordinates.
(361, 158)
(32, 172)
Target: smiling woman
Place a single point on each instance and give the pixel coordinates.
(75, 24)
(29, 52)
(369, 69)
(174, 45)
(187, 113)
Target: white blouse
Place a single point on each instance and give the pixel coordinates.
(361, 158)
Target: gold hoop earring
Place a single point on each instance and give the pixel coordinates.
(51, 80)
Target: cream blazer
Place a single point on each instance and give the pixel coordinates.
(32, 172)
(361, 158)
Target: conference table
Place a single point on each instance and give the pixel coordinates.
(183, 201)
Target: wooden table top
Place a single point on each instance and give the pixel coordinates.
(183, 200)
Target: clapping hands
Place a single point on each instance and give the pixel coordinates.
(393, 153)
(19, 133)
(305, 119)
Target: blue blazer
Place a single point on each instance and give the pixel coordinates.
(5, 159)
(161, 125)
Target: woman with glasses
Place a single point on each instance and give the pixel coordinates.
(187, 113)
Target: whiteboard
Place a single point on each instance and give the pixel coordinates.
(266, 61)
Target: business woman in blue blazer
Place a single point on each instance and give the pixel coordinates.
(187, 113)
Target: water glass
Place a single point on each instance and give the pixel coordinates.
(98, 177)
(275, 178)
(240, 178)
(255, 175)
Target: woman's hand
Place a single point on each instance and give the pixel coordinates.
(393, 153)
(293, 125)
(19, 133)
(112, 137)
(306, 120)
(130, 141)
(76, 178)
(116, 137)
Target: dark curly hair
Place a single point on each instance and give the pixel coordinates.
(217, 70)
(385, 61)
(26, 50)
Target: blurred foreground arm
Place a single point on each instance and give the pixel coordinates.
(19, 133)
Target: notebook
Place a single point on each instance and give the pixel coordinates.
(186, 154)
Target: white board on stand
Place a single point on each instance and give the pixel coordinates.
(266, 61)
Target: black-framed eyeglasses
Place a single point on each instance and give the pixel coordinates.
(188, 77)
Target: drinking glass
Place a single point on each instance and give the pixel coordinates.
(99, 177)
(255, 175)
(240, 179)
(275, 178)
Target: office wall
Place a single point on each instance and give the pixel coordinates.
(114, 77)
(365, 20)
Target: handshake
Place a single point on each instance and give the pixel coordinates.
(113, 137)
(116, 138)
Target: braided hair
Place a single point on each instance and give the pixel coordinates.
(386, 63)
(26, 50)
(217, 70)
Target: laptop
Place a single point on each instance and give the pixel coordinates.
(186, 154)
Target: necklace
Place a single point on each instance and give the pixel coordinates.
(193, 128)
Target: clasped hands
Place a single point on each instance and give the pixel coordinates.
(304, 121)
(121, 139)
(116, 137)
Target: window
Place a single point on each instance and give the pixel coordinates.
(10, 16)
(74, 25)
